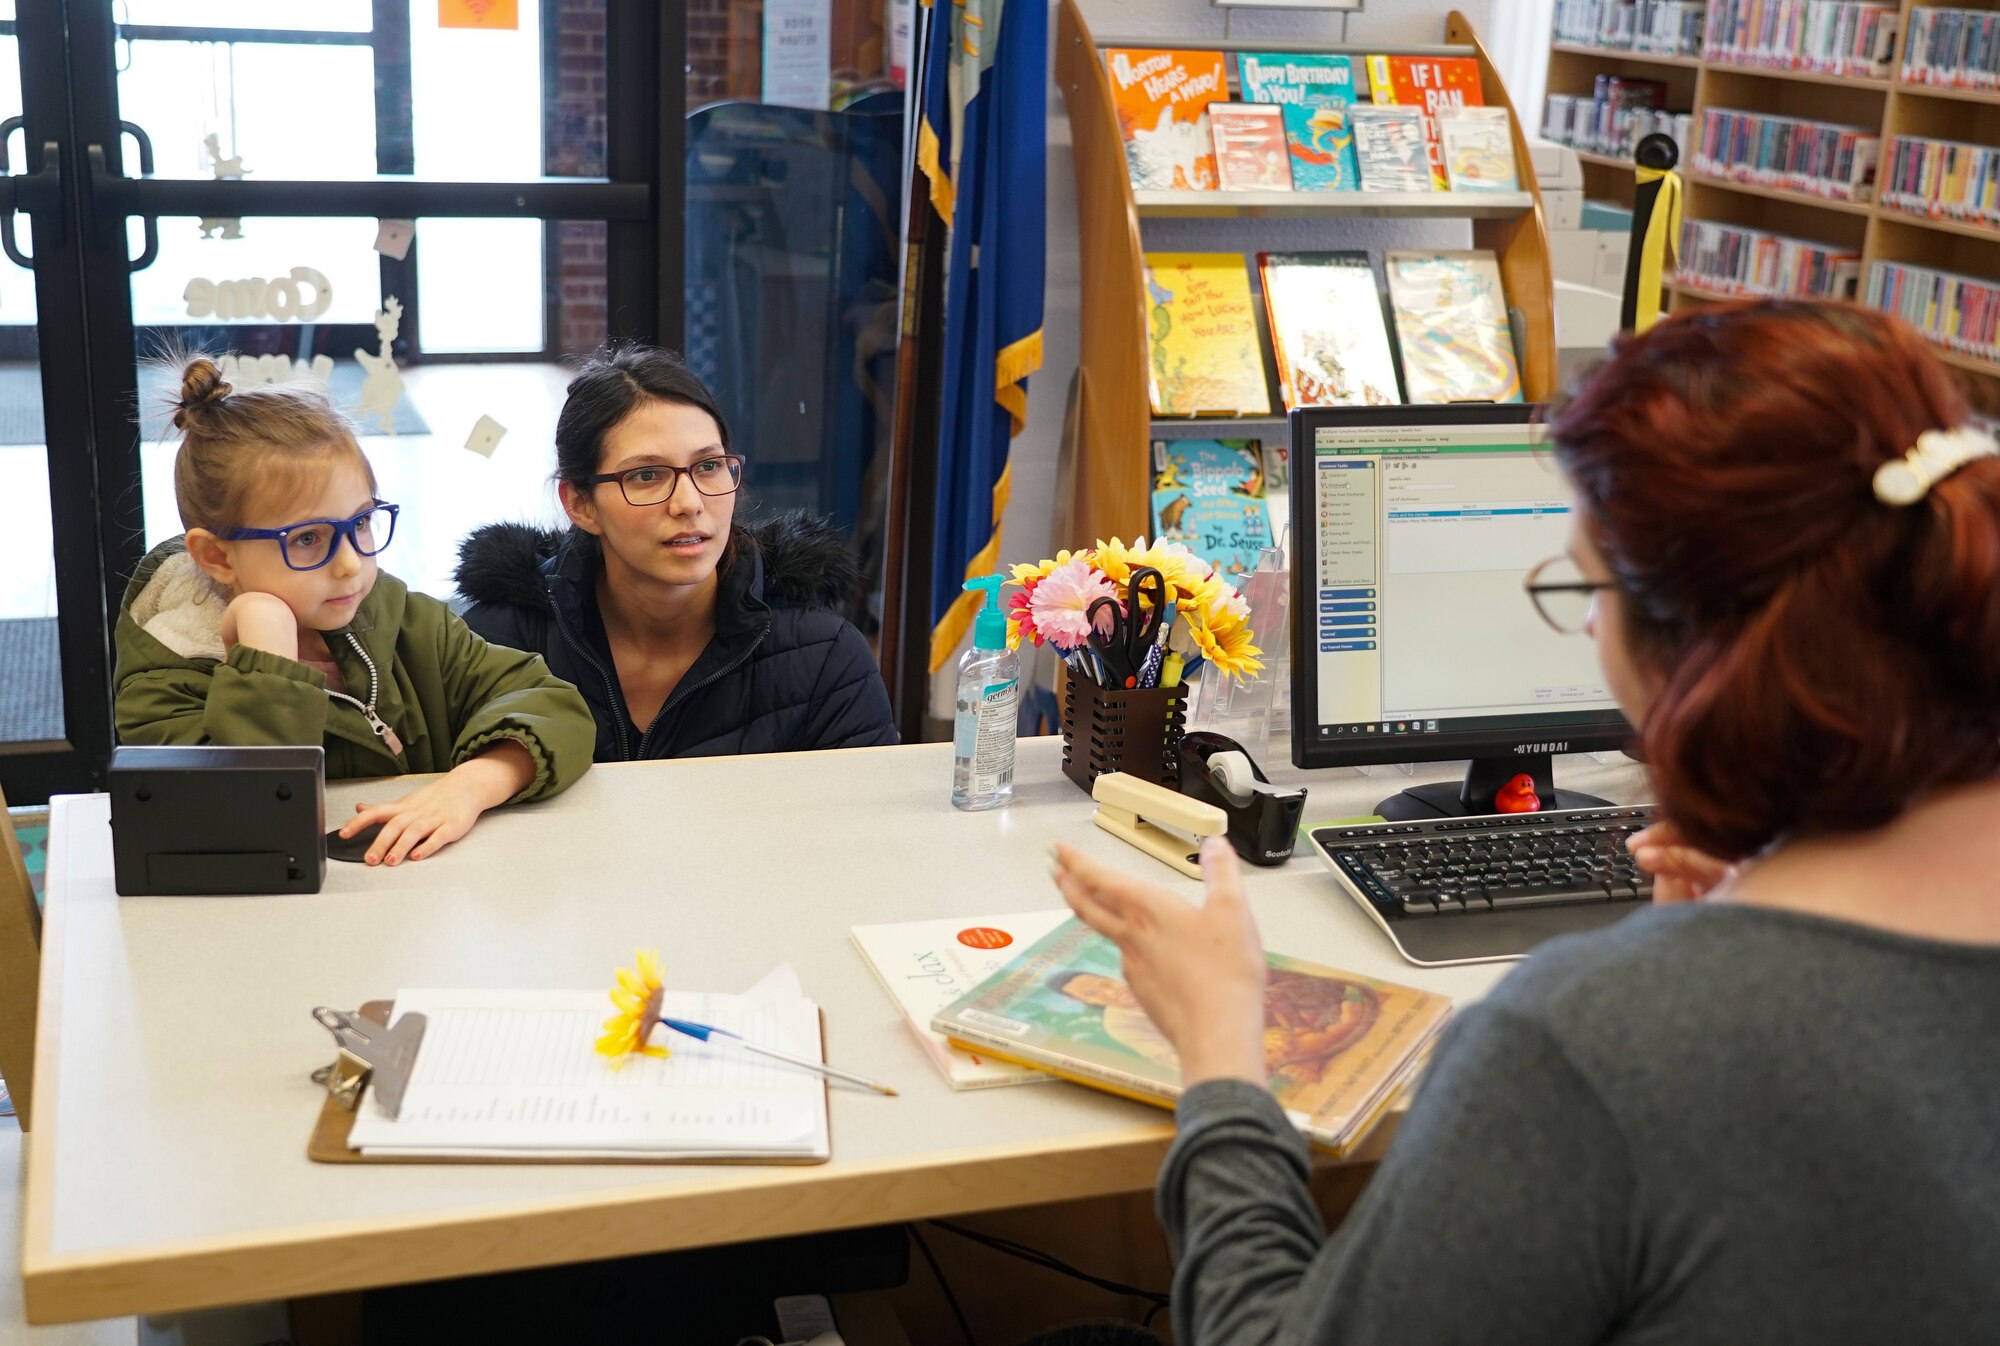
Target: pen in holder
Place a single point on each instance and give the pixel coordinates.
(1135, 730)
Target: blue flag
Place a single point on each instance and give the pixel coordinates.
(983, 147)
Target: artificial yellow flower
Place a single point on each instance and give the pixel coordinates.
(1024, 571)
(1228, 647)
(1184, 572)
(637, 996)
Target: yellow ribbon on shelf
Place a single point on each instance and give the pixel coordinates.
(1663, 231)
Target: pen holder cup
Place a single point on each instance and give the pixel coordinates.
(1136, 731)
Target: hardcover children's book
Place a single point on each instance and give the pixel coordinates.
(1429, 84)
(1162, 99)
(1209, 495)
(1320, 142)
(1337, 1046)
(1206, 357)
(1389, 147)
(1327, 328)
(1249, 147)
(925, 965)
(1478, 149)
(1451, 322)
(1310, 79)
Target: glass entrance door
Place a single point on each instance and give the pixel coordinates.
(420, 204)
(53, 674)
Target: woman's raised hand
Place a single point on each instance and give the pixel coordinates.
(1680, 872)
(1198, 971)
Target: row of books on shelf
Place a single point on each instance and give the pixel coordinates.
(1655, 27)
(1834, 37)
(1957, 48)
(1729, 259)
(1618, 114)
(1297, 123)
(1961, 313)
(1943, 179)
(1819, 158)
(1332, 344)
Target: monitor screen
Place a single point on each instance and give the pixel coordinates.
(1413, 638)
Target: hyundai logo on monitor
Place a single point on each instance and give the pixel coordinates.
(1529, 749)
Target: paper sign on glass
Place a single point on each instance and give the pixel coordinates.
(479, 14)
(485, 437)
(393, 238)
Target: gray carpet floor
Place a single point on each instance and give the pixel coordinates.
(21, 403)
(30, 681)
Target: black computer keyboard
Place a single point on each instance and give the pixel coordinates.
(1526, 877)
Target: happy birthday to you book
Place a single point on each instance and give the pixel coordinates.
(1337, 1046)
(925, 965)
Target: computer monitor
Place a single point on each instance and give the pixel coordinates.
(1412, 638)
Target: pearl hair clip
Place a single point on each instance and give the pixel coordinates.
(1937, 454)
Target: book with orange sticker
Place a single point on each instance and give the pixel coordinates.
(1430, 84)
(1338, 1047)
(1162, 99)
(925, 965)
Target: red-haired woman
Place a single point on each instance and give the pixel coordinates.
(1767, 1114)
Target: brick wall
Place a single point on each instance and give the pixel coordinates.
(575, 145)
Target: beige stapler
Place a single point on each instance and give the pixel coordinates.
(1129, 807)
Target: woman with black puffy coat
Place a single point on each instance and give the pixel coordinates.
(689, 635)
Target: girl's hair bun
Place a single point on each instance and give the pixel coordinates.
(201, 386)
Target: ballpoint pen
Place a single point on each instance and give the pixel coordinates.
(709, 1033)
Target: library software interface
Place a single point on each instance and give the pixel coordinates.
(1426, 533)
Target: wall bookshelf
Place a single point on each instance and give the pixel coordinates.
(1106, 468)
(1880, 233)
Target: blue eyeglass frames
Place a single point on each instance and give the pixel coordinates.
(311, 544)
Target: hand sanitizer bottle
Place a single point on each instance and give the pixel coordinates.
(983, 721)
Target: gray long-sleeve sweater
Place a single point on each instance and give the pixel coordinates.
(1707, 1124)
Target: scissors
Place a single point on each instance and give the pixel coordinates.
(1122, 638)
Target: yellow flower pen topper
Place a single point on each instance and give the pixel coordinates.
(637, 997)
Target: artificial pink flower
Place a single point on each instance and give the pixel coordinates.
(1060, 603)
(1021, 621)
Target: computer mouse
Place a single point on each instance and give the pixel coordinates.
(353, 849)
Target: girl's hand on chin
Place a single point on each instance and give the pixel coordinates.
(263, 622)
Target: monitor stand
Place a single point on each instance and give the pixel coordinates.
(1485, 779)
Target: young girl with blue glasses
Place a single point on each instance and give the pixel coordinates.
(269, 622)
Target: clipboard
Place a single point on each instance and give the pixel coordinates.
(328, 1142)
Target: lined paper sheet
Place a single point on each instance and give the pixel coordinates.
(513, 1074)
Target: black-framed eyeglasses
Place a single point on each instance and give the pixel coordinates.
(655, 483)
(1563, 597)
(311, 544)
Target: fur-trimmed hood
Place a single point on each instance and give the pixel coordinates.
(804, 562)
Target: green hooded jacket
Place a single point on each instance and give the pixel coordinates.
(442, 694)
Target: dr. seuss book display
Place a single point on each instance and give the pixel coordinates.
(1249, 147)
(1478, 149)
(1206, 358)
(1209, 495)
(1451, 322)
(1162, 99)
(1337, 1046)
(1328, 331)
(1430, 84)
(1314, 92)
(1389, 149)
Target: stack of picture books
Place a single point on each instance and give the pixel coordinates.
(1833, 37)
(1330, 335)
(1955, 48)
(1298, 123)
(1961, 313)
(1338, 1047)
(1729, 259)
(1943, 179)
(1819, 158)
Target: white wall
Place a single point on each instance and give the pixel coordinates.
(1025, 531)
